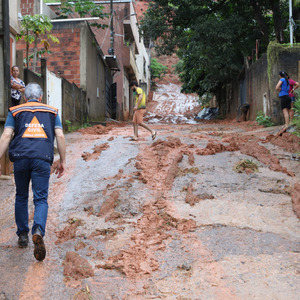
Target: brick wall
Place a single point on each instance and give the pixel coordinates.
(65, 58)
(27, 7)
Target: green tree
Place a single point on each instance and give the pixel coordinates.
(296, 17)
(32, 27)
(296, 119)
(157, 69)
(85, 8)
(213, 38)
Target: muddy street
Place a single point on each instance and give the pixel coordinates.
(206, 211)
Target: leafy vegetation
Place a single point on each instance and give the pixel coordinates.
(157, 69)
(85, 8)
(273, 51)
(263, 120)
(246, 165)
(32, 27)
(71, 128)
(296, 119)
(214, 38)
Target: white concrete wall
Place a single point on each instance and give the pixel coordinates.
(44, 9)
(143, 75)
(14, 9)
(54, 92)
(127, 106)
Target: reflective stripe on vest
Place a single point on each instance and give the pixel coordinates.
(33, 107)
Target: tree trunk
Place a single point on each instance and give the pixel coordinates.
(35, 53)
(275, 6)
(27, 53)
(260, 20)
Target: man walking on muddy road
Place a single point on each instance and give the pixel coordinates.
(139, 111)
(33, 126)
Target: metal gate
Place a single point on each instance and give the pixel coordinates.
(110, 97)
(113, 101)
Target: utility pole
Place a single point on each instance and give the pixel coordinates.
(291, 21)
(111, 50)
(4, 75)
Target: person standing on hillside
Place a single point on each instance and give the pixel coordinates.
(282, 87)
(34, 126)
(139, 111)
(17, 86)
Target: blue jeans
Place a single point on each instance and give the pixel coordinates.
(38, 171)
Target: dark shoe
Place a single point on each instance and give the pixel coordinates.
(39, 246)
(23, 239)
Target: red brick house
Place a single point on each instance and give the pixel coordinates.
(78, 59)
(83, 57)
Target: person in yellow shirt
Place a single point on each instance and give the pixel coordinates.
(139, 111)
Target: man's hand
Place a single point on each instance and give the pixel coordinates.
(61, 146)
(4, 141)
(60, 170)
(135, 108)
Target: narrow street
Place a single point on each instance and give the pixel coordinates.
(203, 212)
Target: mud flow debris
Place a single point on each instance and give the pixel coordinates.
(208, 210)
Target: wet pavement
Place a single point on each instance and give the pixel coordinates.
(169, 219)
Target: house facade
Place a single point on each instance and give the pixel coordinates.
(100, 61)
(124, 52)
(76, 58)
(130, 51)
